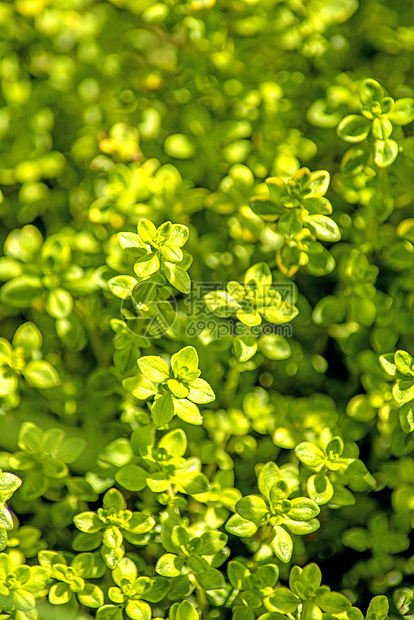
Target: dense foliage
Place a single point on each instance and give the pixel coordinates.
(207, 301)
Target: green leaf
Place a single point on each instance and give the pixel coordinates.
(132, 243)
(162, 410)
(403, 391)
(402, 111)
(323, 227)
(185, 362)
(132, 478)
(354, 160)
(406, 229)
(265, 207)
(388, 364)
(378, 608)
(282, 544)
(71, 449)
(187, 411)
(158, 590)
(34, 486)
(52, 439)
(185, 611)
(179, 235)
(27, 336)
(244, 348)
(357, 538)
(404, 362)
(146, 230)
(6, 519)
(200, 392)
(83, 564)
(88, 522)
(157, 483)
(241, 527)
(275, 347)
(342, 497)
(139, 523)
(9, 483)
(268, 476)
(180, 537)
(177, 276)
(19, 293)
(179, 145)
(125, 572)
(243, 613)
(381, 128)
(143, 293)
(311, 576)
(251, 319)
(146, 265)
(290, 224)
(280, 312)
(59, 303)
(354, 128)
(23, 243)
(154, 368)
(171, 253)
(252, 508)
(302, 527)
(370, 92)
(285, 601)
(310, 455)
(31, 439)
(334, 448)
(406, 416)
(266, 576)
(317, 204)
(40, 374)
(91, 596)
(122, 286)
(385, 152)
(320, 489)
(60, 593)
(319, 182)
(211, 542)
(112, 537)
(272, 615)
(140, 387)
(303, 509)
(221, 303)
(174, 442)
(192, 483)
(169, 565)
(5, 351)
(276, 187)
(209, 578)
(381, 205)
(87, 542)
(10, 268)
(333, 602)
(258, 276)
(237, 573)
(177, 388)
(8, 381)
(109, 612)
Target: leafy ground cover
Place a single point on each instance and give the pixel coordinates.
(206, 301)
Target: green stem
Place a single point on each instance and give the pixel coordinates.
(172, 495)
(202, 599)
(95, 342)
(232, 383)
(230, 597)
